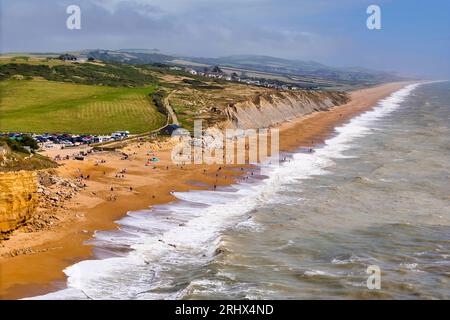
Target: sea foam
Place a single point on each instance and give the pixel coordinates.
(167, 244)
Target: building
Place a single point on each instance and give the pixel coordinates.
(67, 57)
(170, 129)
(191, 71)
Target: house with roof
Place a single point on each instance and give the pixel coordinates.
(168, 130)
(191, 71)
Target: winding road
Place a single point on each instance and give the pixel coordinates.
(169, 108)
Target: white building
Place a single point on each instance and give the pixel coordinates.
(192, 71)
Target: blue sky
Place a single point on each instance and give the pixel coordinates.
(414, 39)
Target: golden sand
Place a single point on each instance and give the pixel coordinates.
(97, 207)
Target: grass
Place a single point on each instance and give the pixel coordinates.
(200, 102)
(41, 106)
(26, 162)
(32, 60)
(112, 75)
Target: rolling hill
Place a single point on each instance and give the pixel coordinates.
(258, 63)
(300, 68)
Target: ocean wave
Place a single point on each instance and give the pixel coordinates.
(171, 243)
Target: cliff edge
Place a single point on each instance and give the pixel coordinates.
(18, 199)
(266, 110)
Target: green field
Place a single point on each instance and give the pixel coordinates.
(41, 106)
(31, 60)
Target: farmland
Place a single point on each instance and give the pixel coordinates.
(47, 106)
(45, 94)
(42, 95)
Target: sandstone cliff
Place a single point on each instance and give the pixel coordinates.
(18, 198)
(270, 109)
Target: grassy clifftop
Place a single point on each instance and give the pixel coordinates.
(44, 94)
(46, 106)
(16, 160)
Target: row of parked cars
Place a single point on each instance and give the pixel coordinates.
(70, 140)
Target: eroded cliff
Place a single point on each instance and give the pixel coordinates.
(18, 199)
(270, 109)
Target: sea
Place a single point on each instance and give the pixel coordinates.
(374, 196)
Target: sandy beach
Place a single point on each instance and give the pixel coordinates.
(115, 186)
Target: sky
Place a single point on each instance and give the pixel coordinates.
(414, 38)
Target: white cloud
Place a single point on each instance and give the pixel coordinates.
(171, 7)
(320, 30)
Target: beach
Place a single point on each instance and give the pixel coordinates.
(108, 196)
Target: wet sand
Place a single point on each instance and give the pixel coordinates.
(97, 207)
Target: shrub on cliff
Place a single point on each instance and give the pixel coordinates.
(29, 142)
(158, 100)
(14, 145)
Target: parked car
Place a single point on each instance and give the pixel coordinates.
(66, 143)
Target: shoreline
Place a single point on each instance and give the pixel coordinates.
(55, 249)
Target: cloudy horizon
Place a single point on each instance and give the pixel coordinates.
(414, 38)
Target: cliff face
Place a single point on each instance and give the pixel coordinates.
(271, 109)
(18, 198)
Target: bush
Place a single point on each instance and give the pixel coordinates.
(18, 145)
(158, 99)
(14, 145)
(29, 142)
(114, 75)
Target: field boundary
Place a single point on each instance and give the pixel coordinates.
(171, 115)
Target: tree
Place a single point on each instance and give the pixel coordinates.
(216, 69)
(29, 142)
